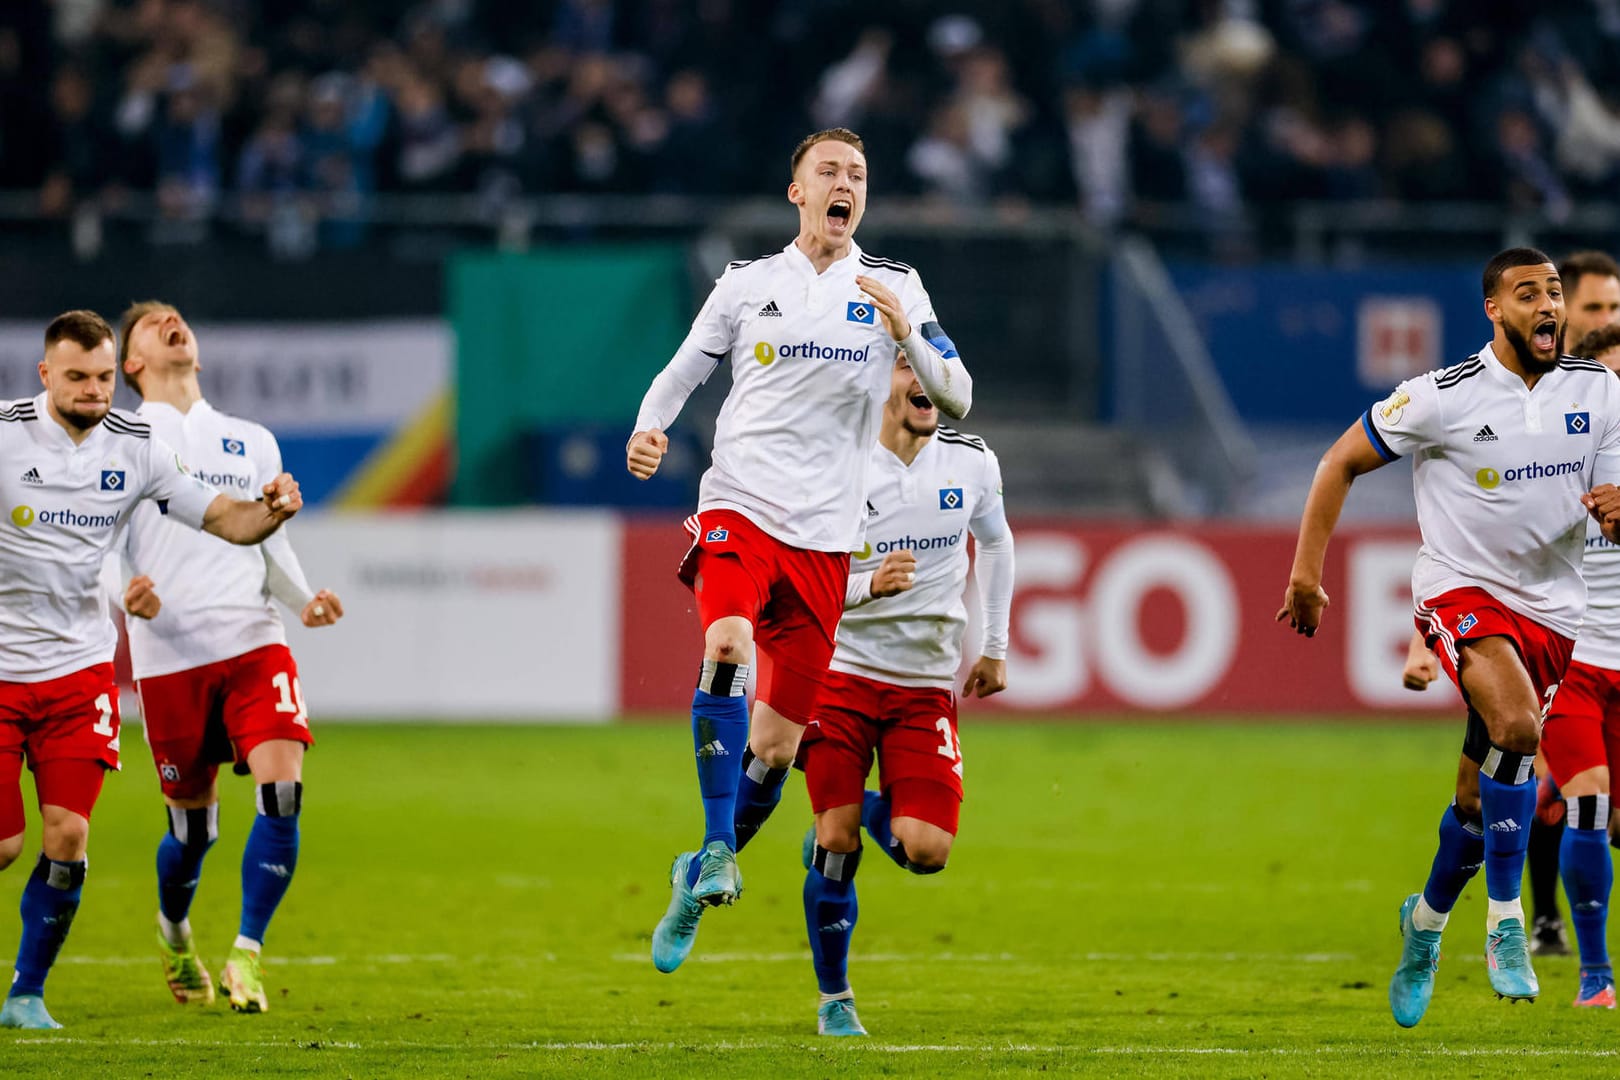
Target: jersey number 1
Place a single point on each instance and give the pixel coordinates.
(292, 698)
(103, 724)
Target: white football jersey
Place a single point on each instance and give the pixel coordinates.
(952, 488)
(810, 364)
(1498, 470)
(1599, 640)
(215, 594)
(64, 507)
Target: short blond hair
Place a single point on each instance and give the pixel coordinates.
(838, 134)
(132, 315)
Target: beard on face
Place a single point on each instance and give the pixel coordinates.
(1527, 359)
(920, 427)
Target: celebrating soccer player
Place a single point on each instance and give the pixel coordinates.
(810, 331)
(890, 687)
(1581, 739)
(73, 470)
(210, 659)
(1507, 447)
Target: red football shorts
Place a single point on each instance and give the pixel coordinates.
(1458, 616)
(1583, 727)
(912, 732)
(794, 599)
(54, 723)
(202, 717)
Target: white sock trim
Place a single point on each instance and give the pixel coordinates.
(176, 934)
(1497, 910)
(247, 943)
(1425, 917)
(846, 995)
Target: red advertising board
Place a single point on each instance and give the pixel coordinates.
(1122, 618)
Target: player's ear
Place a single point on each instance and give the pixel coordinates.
(42, 379)
(795, 193)
(1492, 311)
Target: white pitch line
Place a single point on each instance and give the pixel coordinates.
(877, 1048)
(1005, 958)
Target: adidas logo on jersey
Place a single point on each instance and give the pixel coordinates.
(770, 311)
(871, 511)
(711, 749)
(1485, 434)
(32, 477)
(1505, 825)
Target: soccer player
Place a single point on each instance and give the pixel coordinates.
(1591, 282)
(73, 469)
(889, 689)
(1582, 736)
(1506, 447)
(216, 680)
(1592, 290)
(809, 331)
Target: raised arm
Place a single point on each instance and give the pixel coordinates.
(910, 321)
(707, 344)
(1352, 455)
(251, 521)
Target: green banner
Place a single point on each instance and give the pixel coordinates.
(550, 340)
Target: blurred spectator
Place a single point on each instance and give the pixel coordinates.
(1226, 106)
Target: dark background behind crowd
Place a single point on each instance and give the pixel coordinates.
(1121, 106)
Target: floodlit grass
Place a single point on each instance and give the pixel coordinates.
(1189, 899)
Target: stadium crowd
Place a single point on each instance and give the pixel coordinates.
(1123, 105)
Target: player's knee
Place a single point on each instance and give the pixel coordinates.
(10, 848)
(728, 641)
(927, 856)
(67, 837)
(836, 835)
(1518, 732)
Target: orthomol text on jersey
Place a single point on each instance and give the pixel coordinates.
(910, 543)
(1490, 478)
(224, 479)
(25, 516)
(767, 354)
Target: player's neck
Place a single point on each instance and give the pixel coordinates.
(76, 433)
(1508, 357)
(178, 392)
(821, 252)
(901, 441)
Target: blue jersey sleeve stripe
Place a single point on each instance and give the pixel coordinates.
(935, 335)
(1376, 439)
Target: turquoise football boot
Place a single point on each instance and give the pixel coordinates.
(719, 882)
(27, 1011)
(1507, 955)
(676, 932)
(838, 1018)
(1413, 983)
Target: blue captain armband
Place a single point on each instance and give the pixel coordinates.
(1376, 439)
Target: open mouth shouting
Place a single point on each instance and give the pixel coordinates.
(920, 402)
(839, 213)
(1544, 337)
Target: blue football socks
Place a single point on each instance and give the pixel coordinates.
(180, 858)
(1507, 797)
(759, 789)
(1588, 872)
(719, 735)
(830, 912)
(271, 855)
(1456, 861)
(49, 902)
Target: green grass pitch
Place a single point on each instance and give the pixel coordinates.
(1188, 899)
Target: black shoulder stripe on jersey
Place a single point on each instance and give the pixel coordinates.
(951, 435)
(883, 264)
(18, 416)
(970, 443)
(1461, 378)
(119, 426)
(1575, 363)
(1465, 370)
(740, 263)
(715, 356)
